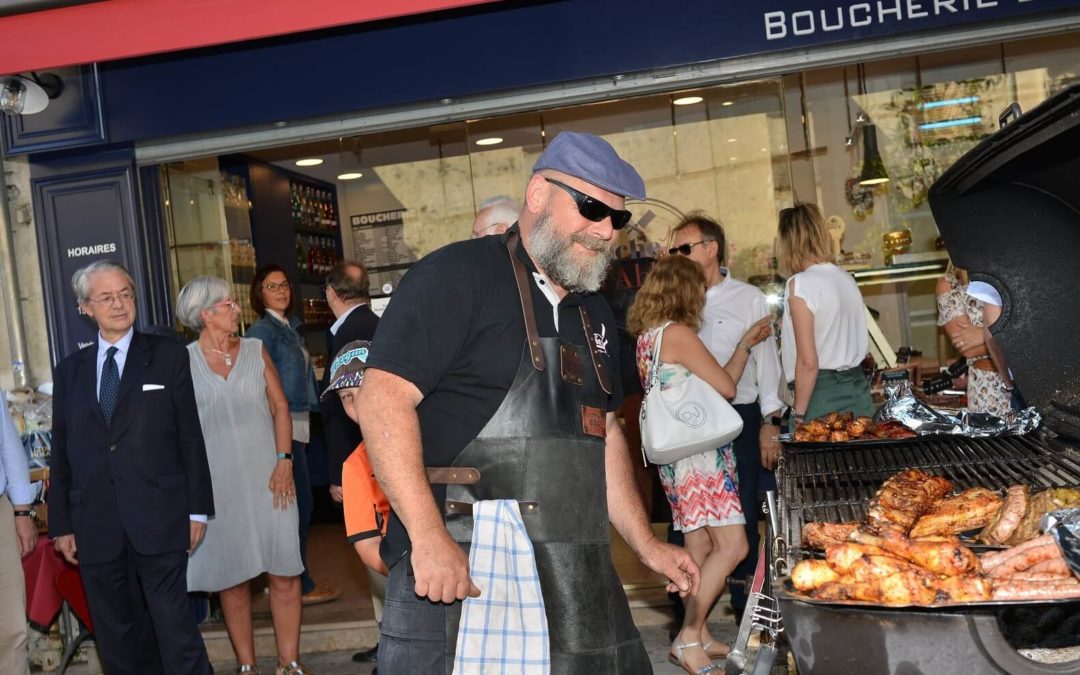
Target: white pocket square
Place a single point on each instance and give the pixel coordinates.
(152, 387)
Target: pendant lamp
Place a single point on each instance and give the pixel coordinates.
(873, 168)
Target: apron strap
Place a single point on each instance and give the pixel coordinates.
(598, 365)
(532, 335)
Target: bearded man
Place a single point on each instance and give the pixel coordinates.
(494, 376)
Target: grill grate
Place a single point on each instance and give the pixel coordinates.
(833, 483)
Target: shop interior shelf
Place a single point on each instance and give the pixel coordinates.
(318, 231)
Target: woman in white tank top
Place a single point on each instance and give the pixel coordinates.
(824, 335)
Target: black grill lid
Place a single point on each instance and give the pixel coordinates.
(1009, 211)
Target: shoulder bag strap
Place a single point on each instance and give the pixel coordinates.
(654, 365)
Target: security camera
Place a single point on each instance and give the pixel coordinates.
(28, 95)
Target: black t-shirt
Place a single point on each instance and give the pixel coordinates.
(454, 329)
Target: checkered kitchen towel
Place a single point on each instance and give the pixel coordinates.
(505, 630)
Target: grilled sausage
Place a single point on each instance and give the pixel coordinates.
(1025, 559)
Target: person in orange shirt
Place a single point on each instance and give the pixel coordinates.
(367, 510)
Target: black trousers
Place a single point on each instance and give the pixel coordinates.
(143, 622)
(748, 468)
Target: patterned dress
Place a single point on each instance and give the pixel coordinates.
(985, 391)
(702, 489)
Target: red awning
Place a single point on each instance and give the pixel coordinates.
(117, 29)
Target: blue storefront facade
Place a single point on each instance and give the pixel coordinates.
(93, 152)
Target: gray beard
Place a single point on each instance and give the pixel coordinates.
(555, 257)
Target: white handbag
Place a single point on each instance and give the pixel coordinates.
(684, 420)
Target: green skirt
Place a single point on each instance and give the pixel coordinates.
(840, 391)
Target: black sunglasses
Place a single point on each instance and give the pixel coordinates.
(686, 248)
(592, 208)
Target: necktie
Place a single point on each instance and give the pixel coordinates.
(110, 386)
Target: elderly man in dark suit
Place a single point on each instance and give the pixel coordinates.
(130, 490)
(348, 294)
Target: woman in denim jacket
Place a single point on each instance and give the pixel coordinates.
(271, 297)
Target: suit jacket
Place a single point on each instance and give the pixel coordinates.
(342, 434)
(146, 474)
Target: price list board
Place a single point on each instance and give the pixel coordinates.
(379, 245)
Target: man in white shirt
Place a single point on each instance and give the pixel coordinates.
(18, 536)
(731, 306)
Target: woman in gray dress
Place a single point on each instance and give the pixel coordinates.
(248, 433)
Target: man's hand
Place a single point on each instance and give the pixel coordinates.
(674, 563)
(441, 569)
(26, 530)
(65, 544)
(770, 446)
(337, 494)
(198, 531)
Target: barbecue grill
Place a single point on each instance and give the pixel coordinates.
(1009, 211)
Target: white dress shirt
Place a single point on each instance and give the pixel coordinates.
(731, 307)
(14, 467)
(123, 346)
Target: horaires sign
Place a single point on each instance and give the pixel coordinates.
(810, 21)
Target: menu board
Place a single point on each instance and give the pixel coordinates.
(379, 245)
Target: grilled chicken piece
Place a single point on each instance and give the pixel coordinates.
(905, 587)
(858, 426)
(965, 588)
(968, 510)
(1008, 517)
(822, 535)
(845, 557)
(949, 557)
(903, 498)
(816, 428)
(810, 574)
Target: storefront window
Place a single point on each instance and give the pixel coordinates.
(927, 112)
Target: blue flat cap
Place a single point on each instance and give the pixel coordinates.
(592, 159)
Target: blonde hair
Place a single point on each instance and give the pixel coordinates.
(803, 238)
(673, 291)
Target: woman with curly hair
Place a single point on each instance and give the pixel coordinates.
(702, 489)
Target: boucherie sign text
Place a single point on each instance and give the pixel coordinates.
(813, 20)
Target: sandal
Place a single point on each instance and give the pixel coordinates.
(676, 657)
(293, 668)
(715, 656)
(247, 669)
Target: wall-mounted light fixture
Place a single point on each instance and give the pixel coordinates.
(21, 95)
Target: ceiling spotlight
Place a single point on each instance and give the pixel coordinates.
(310, 161)
(727, 103)
(732, 140)
(688, 100)
(352, 175)
(493, 140)
(28, 95)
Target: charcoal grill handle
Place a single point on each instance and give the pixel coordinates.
(986, 632)
(1009, 114)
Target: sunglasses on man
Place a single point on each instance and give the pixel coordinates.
(593, 209)
(686, 248)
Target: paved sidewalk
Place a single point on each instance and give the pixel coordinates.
(655, 637)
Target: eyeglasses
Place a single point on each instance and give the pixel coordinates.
(227, 302)
(592, 208)
(275, 286)
(686, 248)
(123, 297)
